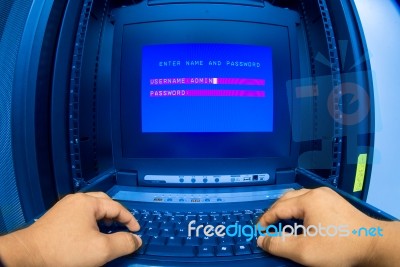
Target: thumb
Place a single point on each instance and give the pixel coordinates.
(287, 247)
(122, 243)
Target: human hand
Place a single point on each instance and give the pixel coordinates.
(324, 206)
(68, 235)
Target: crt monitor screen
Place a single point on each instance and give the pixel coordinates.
(212, 89)
(206, 88)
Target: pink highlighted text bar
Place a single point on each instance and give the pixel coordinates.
(188, 81)
(193, 93)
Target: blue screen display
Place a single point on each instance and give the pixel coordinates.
(200, 88)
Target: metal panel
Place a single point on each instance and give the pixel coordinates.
(11, 29)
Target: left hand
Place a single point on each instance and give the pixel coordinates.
(68, 235)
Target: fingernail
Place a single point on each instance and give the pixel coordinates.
(137, 223)
(260, 241)
(137, 240)
(134, 219)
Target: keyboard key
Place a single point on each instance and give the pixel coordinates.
(152, 224)
(174, 241)
(158, 218)
(224, 251)
(189, 218)
(182, 224)
(216, 217)
(215, 224)
(192, 241)
(228, 217)
(201, 233)
(225, 240)
(209, 241)
(180, 217)
(175, 219)
(206, 251)
(238, 215)
(167, 224)
(258, 212)
(167, 232)
(242, 250)
(252, 222)
(182, 232)
(134, 211)
(152, 231)
(246, 217)
(161, 250)
(146, 217)
(203, 218)
(242, 240)
(157, 240)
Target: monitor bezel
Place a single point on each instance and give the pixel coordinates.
(140, 14)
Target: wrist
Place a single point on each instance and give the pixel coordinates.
(384, 249)
(17, 250)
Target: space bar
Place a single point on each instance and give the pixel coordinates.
(159, 250)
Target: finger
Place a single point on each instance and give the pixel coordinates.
(98, 195)
(287, 195)
(122, 243)
(285, 209)
(294, 193)
(110, 209)
(287, 247)
(105, 196)
(291, 194)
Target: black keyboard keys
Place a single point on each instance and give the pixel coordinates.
(175, 241)
(161, 250)
(242, 250)
(206, 251)
(166, 234)
(209, 241)
(225, 240)
(192, 241)
(224, 251)
(157, 240)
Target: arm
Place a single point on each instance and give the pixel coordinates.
(324, 206)
(67, 235)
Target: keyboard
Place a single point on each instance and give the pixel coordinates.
(165, 234)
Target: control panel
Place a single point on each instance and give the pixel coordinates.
(186, 198)
(206, 179)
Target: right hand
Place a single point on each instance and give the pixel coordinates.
(324, 206)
